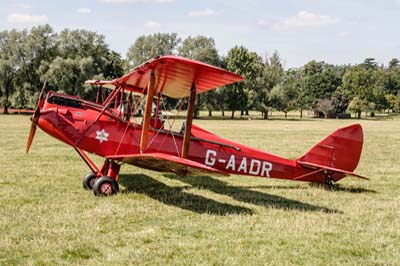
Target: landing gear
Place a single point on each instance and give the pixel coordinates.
(105, 186)
(329, 182)
(88, 181)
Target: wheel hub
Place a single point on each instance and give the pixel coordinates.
(92, 181)
(106, 189)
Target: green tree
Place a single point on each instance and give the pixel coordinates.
(283, 97)
(320, 80)
(394, 63)
(149, 46)
(276, 99)
(367, 84)
(7, 76)
(82, 55)
(369, 63)
(394, 102)
(304, 100)
(202, 49)
(339, 101)
(270, 75)
(68, 75)
(34, 51)
(243, 62)
(40, 49)
(356, 105)
(84, 44)
(391, 84)
(392, 81)
(10, 64)
(114, 65)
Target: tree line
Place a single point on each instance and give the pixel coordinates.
(68, 58)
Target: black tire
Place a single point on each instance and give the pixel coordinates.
(105, 186)
(329, 183)
(88, 181)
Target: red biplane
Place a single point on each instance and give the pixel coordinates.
(108, 128)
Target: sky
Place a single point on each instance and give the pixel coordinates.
(334, 31)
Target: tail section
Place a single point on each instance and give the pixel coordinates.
(339, 152)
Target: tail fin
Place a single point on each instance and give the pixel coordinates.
(340, 150)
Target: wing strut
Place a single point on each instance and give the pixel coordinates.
(189, 119)
(147, 112)
(88, 161)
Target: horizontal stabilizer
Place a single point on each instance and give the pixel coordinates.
(331, 169)
(162, 162)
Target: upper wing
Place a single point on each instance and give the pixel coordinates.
(174, 77)
(167, 163)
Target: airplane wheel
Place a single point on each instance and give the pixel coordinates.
(89, 180)
(329, 182)
(105, 186)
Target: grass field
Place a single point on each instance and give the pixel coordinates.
(46, 218)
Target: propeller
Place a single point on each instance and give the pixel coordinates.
(35, 117)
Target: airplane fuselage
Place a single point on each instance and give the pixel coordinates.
(105, 128)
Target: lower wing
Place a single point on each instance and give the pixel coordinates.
(167, 163)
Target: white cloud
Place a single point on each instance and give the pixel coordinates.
(152, 24)
(84, 10)
(203, 13)
(27, 18)
(302, 19)
(138, 1)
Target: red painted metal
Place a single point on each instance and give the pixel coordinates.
(175, 76)
(113, 170)
(167, 163)
(92, 166)
(98, 129)
(104, 168)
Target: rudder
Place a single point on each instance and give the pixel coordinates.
(341, 149)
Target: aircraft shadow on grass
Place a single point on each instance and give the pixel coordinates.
(339, 187)
(247, 195)
(175, 196)
(335, 187)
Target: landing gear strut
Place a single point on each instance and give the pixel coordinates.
(106, 181)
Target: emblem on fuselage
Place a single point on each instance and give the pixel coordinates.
(102, 135)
